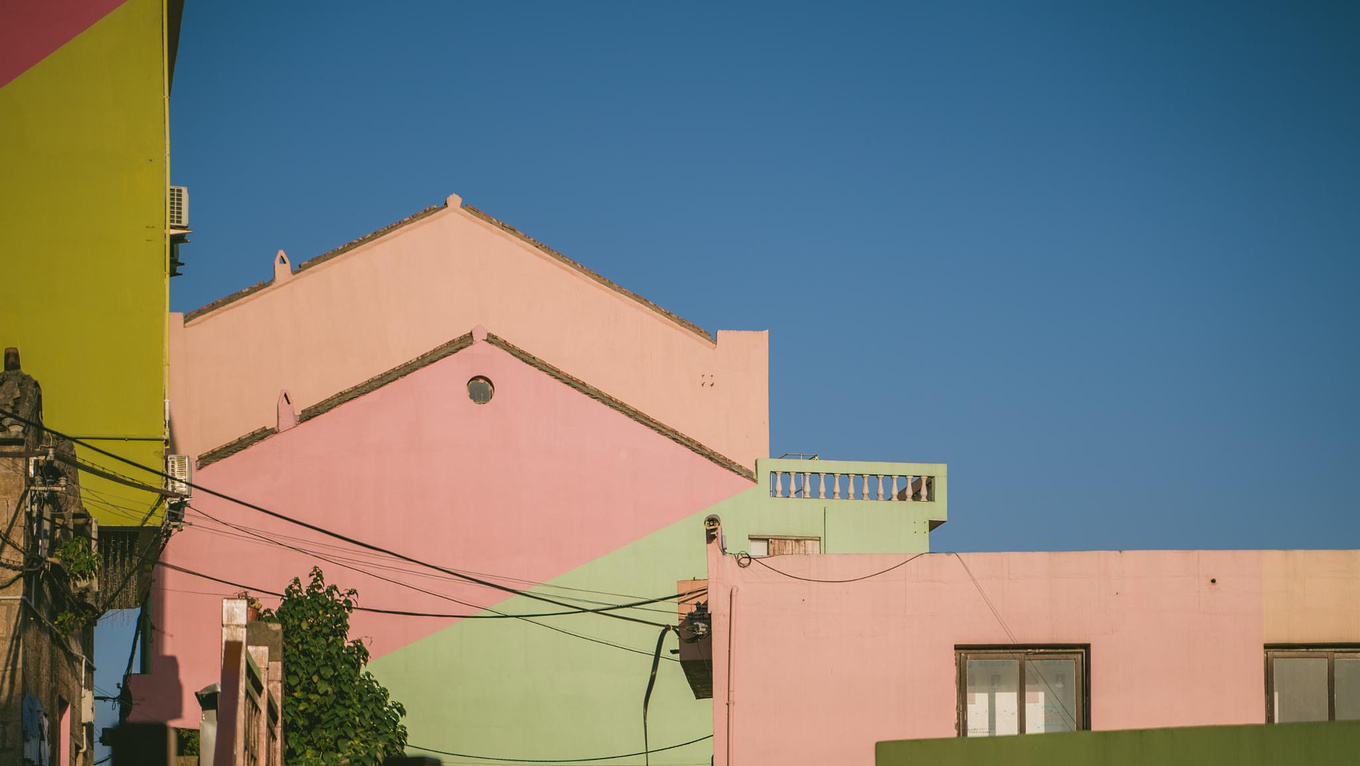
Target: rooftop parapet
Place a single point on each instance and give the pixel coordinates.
(852, 482)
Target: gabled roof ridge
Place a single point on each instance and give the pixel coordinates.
(501, 225)
(450, 348)
(236, 445)
(329, 254)
(507, 228)
(382, 379)
(616, 404)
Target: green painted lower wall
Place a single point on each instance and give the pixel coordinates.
(1317, 744)
(507, 688)
(510, 689)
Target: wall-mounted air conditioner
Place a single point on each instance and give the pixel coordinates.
(179, 207)
(179, 467)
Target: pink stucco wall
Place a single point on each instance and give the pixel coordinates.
(816, 673)
(358, 314)
(534, 483)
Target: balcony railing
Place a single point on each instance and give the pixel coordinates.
(852, 480)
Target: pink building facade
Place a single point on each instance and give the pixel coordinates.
(450, 389)
(347, 315)
(1163, 638)
(539, 480)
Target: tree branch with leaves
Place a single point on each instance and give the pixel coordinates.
(334, 711)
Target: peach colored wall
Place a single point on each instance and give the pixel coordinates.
(1312, 597)
(1169, 646)
(538, 481)
(341, 321)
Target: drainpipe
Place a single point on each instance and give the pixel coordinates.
(731, 623)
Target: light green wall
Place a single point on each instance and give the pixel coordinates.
(844, 526)
(1316, 744)
(82, 239)
(508, 688)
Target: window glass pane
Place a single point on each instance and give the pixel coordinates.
(1050, 695)
(1348, 687)
(993, 694)
(1300, 689)
(760, 546)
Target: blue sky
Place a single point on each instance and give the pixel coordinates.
(1101, 260)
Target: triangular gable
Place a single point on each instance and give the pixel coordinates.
(541, 479)
(452, 347)
(511, 231)
(349, 314)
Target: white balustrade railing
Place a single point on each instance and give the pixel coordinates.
(839, 480)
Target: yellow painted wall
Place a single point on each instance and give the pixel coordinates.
(83, 248)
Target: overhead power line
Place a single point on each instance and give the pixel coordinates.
(749, 558)
(406, 613)
(563, 760)
(572, 607)
(605, 611)
(358, 608)
(249, 534)
(997, 614)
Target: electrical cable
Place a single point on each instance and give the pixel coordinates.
(850, 579)
(647, 696)
(403, 613)
(563, 760)
(495, 613)
(357, 566)
(125, 700)
(1019, 655)
(604, 611)
(358, 608)
(250, 535)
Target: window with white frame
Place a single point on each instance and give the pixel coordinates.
(783, 545)
(1022, 689)
(1312, 683)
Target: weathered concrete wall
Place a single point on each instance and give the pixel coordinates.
(35, 657)
(1176, 639)
(342, 319)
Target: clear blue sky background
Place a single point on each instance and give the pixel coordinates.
(1101, 260)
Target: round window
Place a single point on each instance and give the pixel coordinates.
(480, 390)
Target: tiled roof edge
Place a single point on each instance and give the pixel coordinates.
(310, 262)
(220, 302)
(454, 346)
(329, 254)
(630, 412)
(378, 381)
(507, 228)
(235, 445)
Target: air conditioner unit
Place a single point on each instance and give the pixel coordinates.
(179, 207)
(179, 467)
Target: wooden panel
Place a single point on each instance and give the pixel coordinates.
(783, 546)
